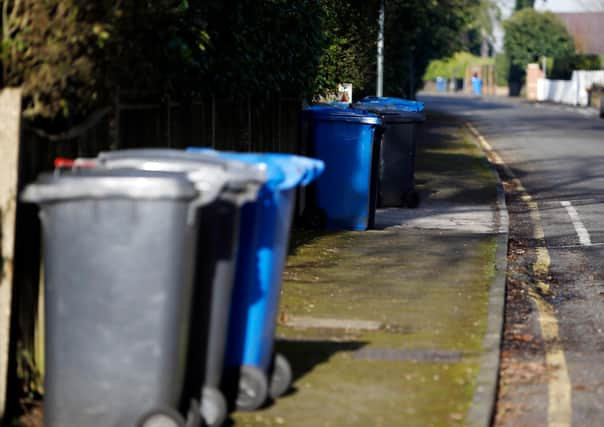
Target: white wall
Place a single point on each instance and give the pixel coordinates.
(571, 92)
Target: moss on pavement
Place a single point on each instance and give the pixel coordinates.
(426, 290)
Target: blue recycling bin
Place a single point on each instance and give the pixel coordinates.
(441, 84)
(344, 196)
(476, 86)
(400, 118)
(263, 244)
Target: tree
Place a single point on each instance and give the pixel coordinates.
(73, 56)
(70, 56)
(485, 13)
(529, 35)
(417, 32)
(348, 53)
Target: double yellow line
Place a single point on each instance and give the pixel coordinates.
(559, 412)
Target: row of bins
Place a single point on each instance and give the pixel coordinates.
(149, 256)
(163, 267)
(369, 151)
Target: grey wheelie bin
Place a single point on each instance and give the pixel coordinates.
(216, 256)
(118, 260)
(398, 147)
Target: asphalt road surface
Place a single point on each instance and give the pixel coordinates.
(557, 154)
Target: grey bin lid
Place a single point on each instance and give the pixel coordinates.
(105, 184)
(390, 114)
(208, 172)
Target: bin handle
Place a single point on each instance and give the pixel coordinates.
(208, 187)
(64, 163)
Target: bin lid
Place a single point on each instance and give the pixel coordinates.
(203, 169)
(340, 104)
(105, 183)
(352, 115)
(283, 171)
(399, 103)
(238, 171)
(391, 113)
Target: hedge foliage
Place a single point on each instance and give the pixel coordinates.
(530, 35)
(455, 66)
(73, 56)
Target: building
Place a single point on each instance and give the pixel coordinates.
(584, 20)
(586, 28)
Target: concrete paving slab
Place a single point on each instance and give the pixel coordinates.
(479, 219)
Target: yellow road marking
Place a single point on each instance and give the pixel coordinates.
(559, 410)
(541, 266)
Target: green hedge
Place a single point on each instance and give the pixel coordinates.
(564, 67)
(455, 66)
(73, 56)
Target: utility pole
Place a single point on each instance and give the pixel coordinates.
(380, 51)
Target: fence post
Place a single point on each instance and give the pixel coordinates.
(279, 119)
(10, 133)
(165, 122)
(115, 130)
(213, 121)
(249, 124)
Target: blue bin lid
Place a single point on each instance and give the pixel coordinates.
(326, 112)
(283, 171)
(398, 103)
(340, 104)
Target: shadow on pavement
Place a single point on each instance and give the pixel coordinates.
(305, 355)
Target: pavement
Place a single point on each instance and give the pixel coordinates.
(400, 325)
(554, 335)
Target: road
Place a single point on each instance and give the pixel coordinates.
(553, 355)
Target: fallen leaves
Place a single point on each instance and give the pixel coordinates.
(520, 372)
(523, 337)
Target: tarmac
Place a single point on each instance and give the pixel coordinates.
(400, 326)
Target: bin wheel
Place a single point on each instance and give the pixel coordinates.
(162, 417)
(194, 415)
(411, 199)
(253, 389)
(281, 376)
(213, 407)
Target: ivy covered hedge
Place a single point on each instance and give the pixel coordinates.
(74, 56)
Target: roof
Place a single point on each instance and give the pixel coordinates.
(586, 29)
